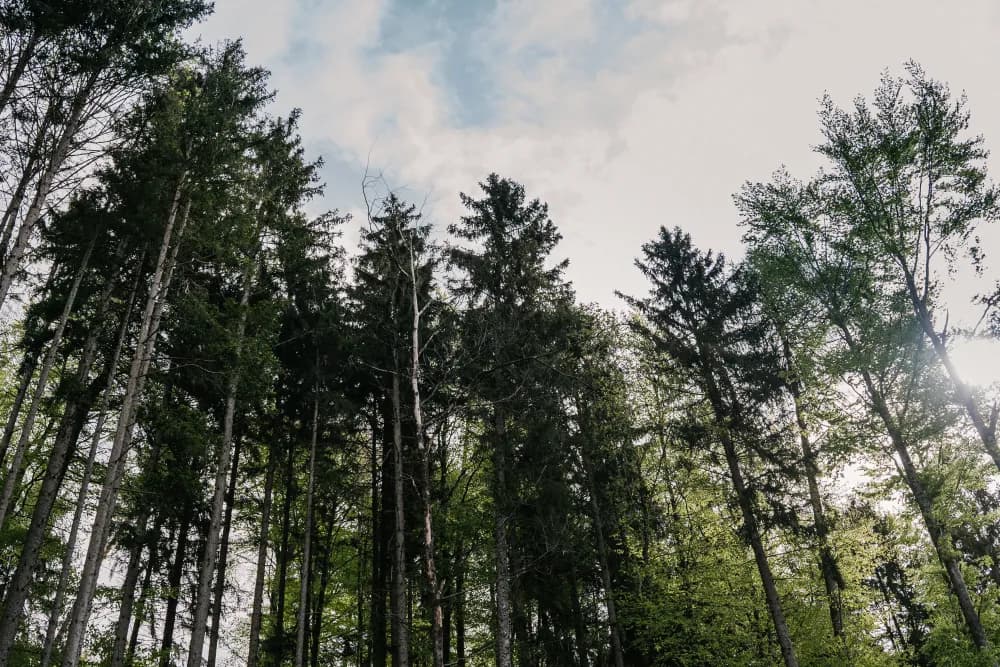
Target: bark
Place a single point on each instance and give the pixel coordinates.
(133, 640)
(146, 342)
(580, 627)
(41, 383)
(58, 462)
(503, 577)
(132, 572)
(437, 621)
(300, 630)
(400, 634)
(318, 607)
(200, 619)
(220, 577)
(460, 608)
(256, 613)
(284, 556)
(27, 174)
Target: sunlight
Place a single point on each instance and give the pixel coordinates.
(978, 361)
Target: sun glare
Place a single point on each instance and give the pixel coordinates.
(978, 361)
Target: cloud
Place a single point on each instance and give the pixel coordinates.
(624, 116)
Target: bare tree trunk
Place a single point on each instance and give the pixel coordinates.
(58, 461)
(27, 372)
(256, 613)
(284, 556)
(381, 518)
(40, 385)
(318, 607)
(200, 619)
(460, 606)
(300, 630)
(127, 605)
(401, 640)
(146, 342)
(220, 576)
(437, 621)
(133, 640)
(29, 171)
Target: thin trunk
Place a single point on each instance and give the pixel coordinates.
(12, 262)
(200, 619)
(41, 383)
(23, 58)
(127, 605)
(140, 613)
(256, 613)
(828, 566)
(282, 575)
(401, 640)
(141, 358)
(58, 462)
(987, 431)
(318, 607)
(174, 578)
(437, 621)
(580, 626)
(939, 533)
(503, 582)
(460, 607)
(756, 544)
(381, 518)
(220, 577)
(17, 199)
(26, 372)
(602, 555)
(300, 631)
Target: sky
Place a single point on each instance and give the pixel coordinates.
(623, 115)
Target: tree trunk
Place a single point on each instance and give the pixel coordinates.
(460, 607)
(220, 577)
(140, 613)
(40, 385)
(127, 604)
(256, 613)
(26, 372)
(400, 634)
(12, 262)
(200, 619)
(828, 565)
(318, 607)
(437, 621)
(284, 556)
(602, 554)
(939, 534)
(58, 462)
(174, 587)
(381, 519)
(503, 576)
(158, 289)
(23, 58)
(300, 630)
(29, 171)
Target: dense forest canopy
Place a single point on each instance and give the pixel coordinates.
(227, 440)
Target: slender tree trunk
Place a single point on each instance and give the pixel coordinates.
(222, 470)
(300, 630)
(401, 640)
(602, 555)
(939, 533)
(140, 613)
(159, 287)
(36, 400)
(12, 262)
(26, 372)
(987, 431)
(284, 557)
(460, 607)
(580, 623)
(220, 577)
(23, 58)
(319, 606)
(127, 605)
(828, 566)
(58, 463)
(29, 171)
(174, 578)
(256, 613)
(437, 621)
(503, 576)
(381, 519)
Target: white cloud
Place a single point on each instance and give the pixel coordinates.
(621, 134)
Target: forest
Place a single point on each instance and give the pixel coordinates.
(229, 440)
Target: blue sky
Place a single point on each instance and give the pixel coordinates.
(623, 115)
